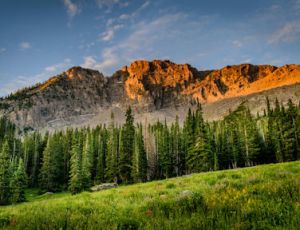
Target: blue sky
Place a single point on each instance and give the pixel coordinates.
(41, 38)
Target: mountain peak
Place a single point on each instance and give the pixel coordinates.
(148, 86)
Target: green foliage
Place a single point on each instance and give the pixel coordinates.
(126, 147)
(52, 167)
(75, 183)
(139, 161)
(18, 184)
(112, 156)
(4, 173)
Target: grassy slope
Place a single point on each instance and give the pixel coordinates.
(263, 197)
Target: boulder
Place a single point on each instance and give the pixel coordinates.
(185, 193)
(48, 193)
(103, 187)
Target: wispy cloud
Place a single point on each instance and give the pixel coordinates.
(107, 3)
(146, 33)
(124, 16)
(58, 66)
(237, 43)
(140, 41)
(72, 8)
(108, 60)
(289, 32)
(25, 45)
(112, 3)
(145, 5)
(109, 34)
(22, 81)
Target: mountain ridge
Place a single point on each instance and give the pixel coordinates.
(153, 88)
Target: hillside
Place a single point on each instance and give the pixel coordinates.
(262, 197)
(155, 89)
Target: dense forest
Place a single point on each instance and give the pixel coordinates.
(76, 159)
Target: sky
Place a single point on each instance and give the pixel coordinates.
(42, 38)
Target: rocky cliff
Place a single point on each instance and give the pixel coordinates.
(155, 89)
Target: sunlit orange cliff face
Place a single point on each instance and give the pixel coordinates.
(144, 77)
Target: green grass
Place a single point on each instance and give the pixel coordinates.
(262, 197)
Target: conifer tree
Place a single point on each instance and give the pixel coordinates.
(45, 173)
(18, 183)
(51, 174)
(126, 148)
(4, 173)
(139, 161)
(101, 156)
(75, 182)
(86, 167)
(112, 157)
(36, 161)
(176, 148)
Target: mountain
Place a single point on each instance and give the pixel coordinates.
(155, 89)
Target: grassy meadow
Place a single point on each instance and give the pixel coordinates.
(262, 197)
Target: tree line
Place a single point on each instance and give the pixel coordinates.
(76, 159)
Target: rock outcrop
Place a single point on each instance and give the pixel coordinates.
(104, 186)
(155, 89)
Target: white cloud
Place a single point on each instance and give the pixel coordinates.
(247, 60)
(124, 16)
(108, 60)
(146, 33)
(237, 43)
(22, 81)
(89, 62)
(141, 8)
(110, 22)
(25, 81)
(106, 3)
(111, 3)
(145, 5)
(137, 45)
(72, 8)
(54, 68)
(275, 8)
(25, 45)
(287, 33)
(109, 34)
(86, 46)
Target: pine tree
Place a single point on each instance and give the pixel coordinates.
(289, 132)
(165, 155)
(176, 149)
(112, 157)
(18, 183)
(139, 161)
(45, 173)
(86, 167)
(51, 174)
(75, 182)
(199, 155)
(101, 156)
(36, 161)
(4, 173)
(270, 139)
(126, 147)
